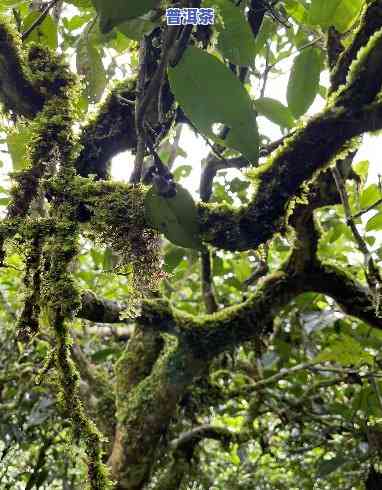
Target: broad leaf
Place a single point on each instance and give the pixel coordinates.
(275, 111)
(338, 13)
(8, 4)
(369, 196)
(182, 172)
(374, 223)
(90, 66)
(296, 10)
(136, 28)
(362, 169)
(176, 217)
(45, 33)
(304, 81)
(115, 12)
(236, 41)
(173, 258)
(17, 141)
(346, 14)
(209, 93)
(321, 12)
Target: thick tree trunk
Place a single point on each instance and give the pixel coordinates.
(374, 480)
(148, 391)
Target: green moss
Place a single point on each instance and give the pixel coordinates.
(117, 219)
(364, 77)
(51, 142)
(17, 91)
(136, 362)
(51, 155)
(109, 130)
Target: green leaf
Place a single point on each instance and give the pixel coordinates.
(321, 12)
(90, 66)
(8, 4)
(275, 111)
(369, 196)
(266, 32)
(115, 12)
(175, 217)
(296, 10)
(4, 201)
(45, 33)
(338, 13)
(362, 169)
(234, 457)
(236, 41)
(345, 350)
(346, 14)
(102, 354)
(173, 258)
(181, 172)
(304, 81)
(136, 28)
(76, 21)
(242, 269)
(210, 93)
(17, 141)
(374, 223)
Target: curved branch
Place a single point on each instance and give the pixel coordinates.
(209, 335)
(17, 92)
(111, 132)
(100, 310)
(297, 161)
(188, 440)
(371, 22)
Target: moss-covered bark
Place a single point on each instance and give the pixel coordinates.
(17, 91)
(110, 132)
(146, 404)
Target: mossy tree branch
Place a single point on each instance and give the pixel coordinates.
(371, 22)
(156, 370)
(109, 133)
(100, 310)
(297, 160)
(209, 335)
(145, 409)
(17, 91)
(183, 450)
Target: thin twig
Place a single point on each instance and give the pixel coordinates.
(141, 146)
(267, 69)
(366, 210)
(372, 273)
(270, 380)
(154, 85)
(174, 146)
(299, 50)
(144, 98)
(39, 20)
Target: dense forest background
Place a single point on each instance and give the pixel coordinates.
(227, 338)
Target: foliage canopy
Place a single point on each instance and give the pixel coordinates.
(151, 340)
